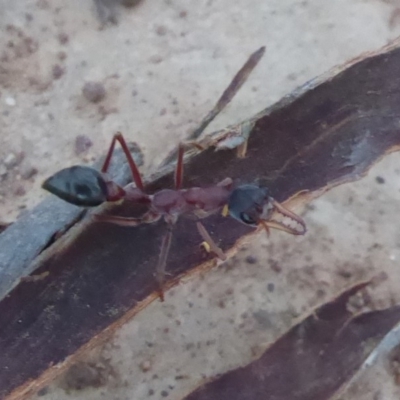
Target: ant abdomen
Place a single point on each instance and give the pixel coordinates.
(79, 185)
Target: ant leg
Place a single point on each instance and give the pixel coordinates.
(238, 80)
(162, 260)
(226, 183)
(147, 218)
(212, 246)
(266, 228)
(132, 165)
(179, 168)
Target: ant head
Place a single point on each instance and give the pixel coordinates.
(247, 203)
(252, 205)
(79, 185)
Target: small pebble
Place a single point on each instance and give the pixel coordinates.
(19, 191)
(145, 366)
(82, 144)
(58, 71)
(380, 180)
(275, 266)
(10, 101)
(63, 38)
(43, 391)
(10, 161)
(251, 260)
(130, 3)
(61, 55)
(28, 172)
(270, 287)
(156, 59)
(161, 30)
(3, 170)
(94, 91)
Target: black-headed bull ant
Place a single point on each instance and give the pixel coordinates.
(250, 204)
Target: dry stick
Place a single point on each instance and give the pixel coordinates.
(236, 83)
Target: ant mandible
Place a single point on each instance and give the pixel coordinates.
(250, 204)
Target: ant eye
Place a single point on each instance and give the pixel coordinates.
(247, 219)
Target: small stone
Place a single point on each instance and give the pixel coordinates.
(275, 266)
(345, 273)
(3, 170)
(43, 391)
(251, 260)
(82, 144)
(10, 101)
(28, 172)
(130, 3)
(380, 180)
(61, 55)
(145, 366)
(58, 71)
(161, 30)
(63, 38)
(94, 91)
(19, 191)
(270, 287)
(10, 161)
(156, 59)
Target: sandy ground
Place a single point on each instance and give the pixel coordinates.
(162, 66)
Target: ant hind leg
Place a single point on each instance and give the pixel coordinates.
(118, 137)
(147, 218)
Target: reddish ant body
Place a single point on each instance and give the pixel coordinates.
(249, 204)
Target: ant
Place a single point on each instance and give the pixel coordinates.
(250, 204)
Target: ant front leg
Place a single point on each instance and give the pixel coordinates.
(162, 260)
(209, 243)
(132, 165)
